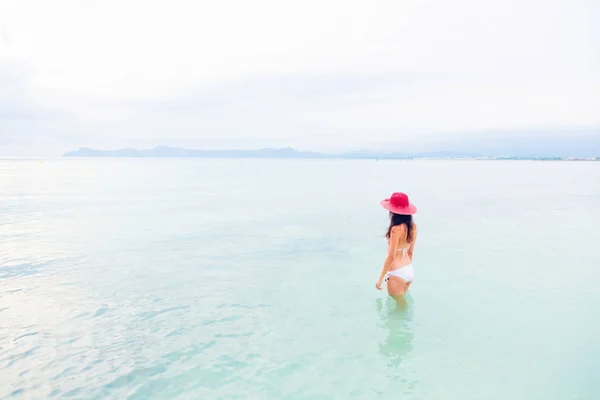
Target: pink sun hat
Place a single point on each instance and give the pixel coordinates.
(398, 203)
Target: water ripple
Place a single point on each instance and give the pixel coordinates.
(132, 377)
(12, 360)
(152, 314)
(25, 335)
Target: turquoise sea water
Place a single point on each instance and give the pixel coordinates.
(254, 279)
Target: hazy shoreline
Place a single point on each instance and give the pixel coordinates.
(290, 153)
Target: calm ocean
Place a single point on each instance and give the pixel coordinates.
(254, 279)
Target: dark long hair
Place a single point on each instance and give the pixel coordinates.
(398, 219)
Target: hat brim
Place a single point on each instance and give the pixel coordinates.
(410, 210)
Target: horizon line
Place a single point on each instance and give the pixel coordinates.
(164, 151)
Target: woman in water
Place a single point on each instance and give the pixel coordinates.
(402, 235)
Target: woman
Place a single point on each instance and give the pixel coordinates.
(402, 235)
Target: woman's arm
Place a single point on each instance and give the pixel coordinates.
(391, 255)
(412, 244)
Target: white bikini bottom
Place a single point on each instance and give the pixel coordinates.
(406, 273)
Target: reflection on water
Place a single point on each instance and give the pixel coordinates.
(396, 318)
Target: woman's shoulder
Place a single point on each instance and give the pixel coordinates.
(398, 228)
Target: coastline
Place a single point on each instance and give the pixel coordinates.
(290, 153)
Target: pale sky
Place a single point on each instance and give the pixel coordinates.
(321, 75)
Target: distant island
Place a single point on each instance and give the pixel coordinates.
(290, 153)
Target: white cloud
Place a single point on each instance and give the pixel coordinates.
(311, 73)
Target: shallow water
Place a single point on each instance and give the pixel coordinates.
(254, 279)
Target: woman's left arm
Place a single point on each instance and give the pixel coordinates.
(391, 255)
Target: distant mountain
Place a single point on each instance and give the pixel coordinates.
(177, 152)
(288, 152)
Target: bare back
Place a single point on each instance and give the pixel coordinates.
(404, 246)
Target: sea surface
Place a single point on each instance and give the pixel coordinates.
(255, 279)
